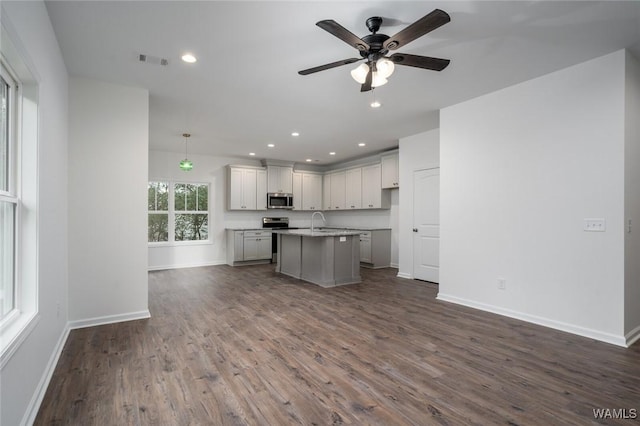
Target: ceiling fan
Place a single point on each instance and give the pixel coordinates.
(373, 48)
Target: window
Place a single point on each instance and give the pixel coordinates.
(9, 201)
(18, 198)
(192, 211)
(158, 195)
(178, 212)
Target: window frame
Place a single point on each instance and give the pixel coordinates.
(159, 212)
(172, 242)
(12, 194)
(17, 326)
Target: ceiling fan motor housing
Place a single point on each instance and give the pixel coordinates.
(375, 42)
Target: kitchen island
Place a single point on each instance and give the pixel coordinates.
(325, 258)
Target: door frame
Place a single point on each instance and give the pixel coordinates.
(413, 218)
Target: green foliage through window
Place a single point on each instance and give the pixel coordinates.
(189, 218)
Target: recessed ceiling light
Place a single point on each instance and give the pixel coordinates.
(189, 58)
(270, 145)
(295, 134)
(362, 144)
(252, 153)
(308, 160)
(375, 104)
(332, 153)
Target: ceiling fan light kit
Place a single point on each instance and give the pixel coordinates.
(374, 47)
(383, 69)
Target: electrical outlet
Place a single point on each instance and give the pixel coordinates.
(502, 284)
(595, 225)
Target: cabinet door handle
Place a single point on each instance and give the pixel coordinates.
(415, 229)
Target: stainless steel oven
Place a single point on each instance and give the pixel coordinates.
(279, 200)
(275, 223)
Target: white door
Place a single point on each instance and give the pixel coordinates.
(426, 225)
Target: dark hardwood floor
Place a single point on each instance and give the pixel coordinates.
(248, 346)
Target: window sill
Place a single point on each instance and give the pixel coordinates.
(15, 334)
(181, 244)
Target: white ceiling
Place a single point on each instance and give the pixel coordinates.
(245, 92)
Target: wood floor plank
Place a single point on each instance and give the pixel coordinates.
(247, 346)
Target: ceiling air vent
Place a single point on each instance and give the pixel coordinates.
(153, 60)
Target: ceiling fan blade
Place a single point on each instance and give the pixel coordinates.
(329, 66)
(343, 34)
(435, 64)
(366, 86)
(422, 26)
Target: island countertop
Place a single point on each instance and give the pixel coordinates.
(316, 232)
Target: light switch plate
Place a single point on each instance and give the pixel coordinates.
(595, 225)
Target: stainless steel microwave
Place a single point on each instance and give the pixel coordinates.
(279, 200)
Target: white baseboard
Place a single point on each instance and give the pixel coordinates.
(546, 322)
(404, 275)
(186, 265)
(393, 265)
(632, 336)
(38, 395)
(109, 319)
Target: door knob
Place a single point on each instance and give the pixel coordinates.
(415, 229)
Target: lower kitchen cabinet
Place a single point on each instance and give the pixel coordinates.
(248, 247)
(375, 248)
(258, 246)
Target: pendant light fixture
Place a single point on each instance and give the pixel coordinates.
(186, 164)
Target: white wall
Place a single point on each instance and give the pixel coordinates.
(632, 200)
(108, 168)
(418, 152)
(207, 169)
(24, 376)
(212, 170)
(521, 169)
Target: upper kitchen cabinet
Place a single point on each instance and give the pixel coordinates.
(280, 179)
(311, 191)
(242, 188)
(338, 191)
(326, 192)
(390, 171)
(372, 195)
(353, 188)
(261, 189)
(297, 191)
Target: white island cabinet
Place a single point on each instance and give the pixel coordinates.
(325, 258)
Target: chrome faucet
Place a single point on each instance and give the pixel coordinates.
(313, 215)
